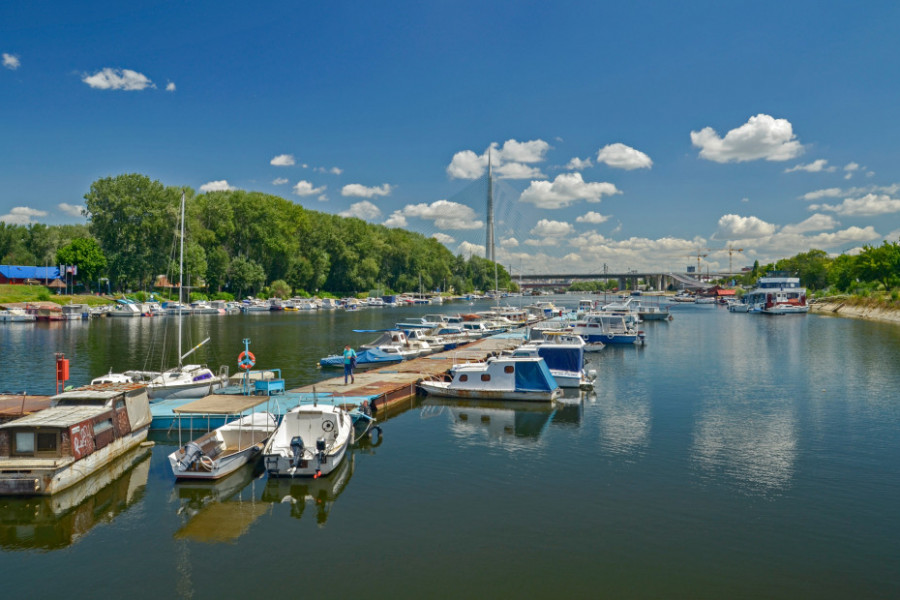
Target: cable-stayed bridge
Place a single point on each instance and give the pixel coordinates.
(658, 280)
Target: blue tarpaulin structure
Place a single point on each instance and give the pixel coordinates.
(562, 357)
(367, 358)
(19, 273)
(533, 375)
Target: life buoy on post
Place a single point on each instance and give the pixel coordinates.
(246, 360)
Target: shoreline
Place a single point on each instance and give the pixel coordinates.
(846, 308)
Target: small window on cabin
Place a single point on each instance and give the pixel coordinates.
(463, 377)
(486, 377)
(120, 403)
(102, 426)
(24, 442)
(509, 369)
(46, 442)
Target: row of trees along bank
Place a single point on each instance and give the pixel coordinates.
(240, 242)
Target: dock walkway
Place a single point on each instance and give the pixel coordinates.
(381, 388)
(387, 386)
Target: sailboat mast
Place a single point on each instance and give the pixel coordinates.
(180, 279)
(489, 235)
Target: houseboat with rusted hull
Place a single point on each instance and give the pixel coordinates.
(82, 432)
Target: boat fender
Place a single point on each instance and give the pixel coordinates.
(296, 450)
(192, 452)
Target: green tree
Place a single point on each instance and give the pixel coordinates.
(86, 254)
(280, 289)
(133, 218)
(245, 275)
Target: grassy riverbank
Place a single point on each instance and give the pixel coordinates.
(873, 308)
(11, 294)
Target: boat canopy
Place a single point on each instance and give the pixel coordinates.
(563, 358)
(534, 375)
(221, 404)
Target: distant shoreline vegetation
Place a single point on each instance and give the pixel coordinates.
(238, 243)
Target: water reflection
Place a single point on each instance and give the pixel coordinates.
(212, 513)
(320, 493)
(54, 522)
(569, 411)
(752, 443)
(491, 422)
(624, 420)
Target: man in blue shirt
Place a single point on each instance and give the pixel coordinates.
(349, 363)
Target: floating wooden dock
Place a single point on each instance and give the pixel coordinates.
(395, 384)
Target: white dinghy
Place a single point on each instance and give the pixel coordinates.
(310, 441)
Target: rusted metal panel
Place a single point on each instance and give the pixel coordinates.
(13, 406)
(81, 438)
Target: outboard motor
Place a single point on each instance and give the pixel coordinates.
(320, 455)
(192, 452)
(296, 450)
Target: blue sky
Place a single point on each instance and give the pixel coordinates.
(635, 135)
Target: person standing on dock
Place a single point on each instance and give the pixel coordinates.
(349, 363)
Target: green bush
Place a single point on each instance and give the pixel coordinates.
(222, 296)
(44, 295)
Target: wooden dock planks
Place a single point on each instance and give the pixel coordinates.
(397, 383)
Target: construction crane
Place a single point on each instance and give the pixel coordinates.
(731, 251)
(699, 255)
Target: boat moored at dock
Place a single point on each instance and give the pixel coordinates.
(310, 441)
(499, 378)
(82, 431)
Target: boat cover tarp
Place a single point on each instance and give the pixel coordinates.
(371, 356)
(562, 358)
(534, 375)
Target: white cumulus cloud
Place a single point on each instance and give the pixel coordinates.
(11, 61)
(468, 249)
(817, 222)
(396, 220)
(71, 209)
(736, 226)
(364, 210)
(445, 214)
(283, 160)
(217, 186)
(22, 215)
(549, 228)
(564, 190)
(867, 206)
(761, 137)
(170, 87)
(513, 160)
(357, 190)
(509, 242)
(625, 157)
(305, 188)
(577, 164)
(592, 217)
(280, 181)
(816, 166)
(826, 193)
(443, 238)
(117, 79)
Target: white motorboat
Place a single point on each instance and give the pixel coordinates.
(606, 329)
(224, 450)
(310, 441)
(16, 315)
(499, 378)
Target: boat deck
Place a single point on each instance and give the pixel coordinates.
(15, 406)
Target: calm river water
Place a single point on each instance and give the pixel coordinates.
(734, 456)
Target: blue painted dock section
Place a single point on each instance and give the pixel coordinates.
(165, 419)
